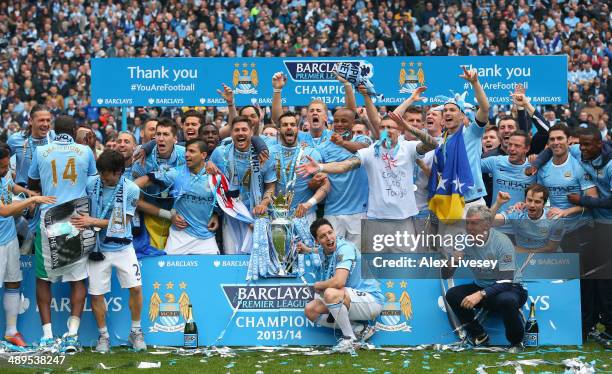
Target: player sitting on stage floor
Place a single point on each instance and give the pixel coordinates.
(342, 296)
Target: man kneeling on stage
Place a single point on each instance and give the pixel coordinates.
(342, 296)
(497, 288)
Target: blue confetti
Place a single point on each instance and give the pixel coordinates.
(426, 368)
(230, 365)
(283, 363)
(458, 363)
(406, 363)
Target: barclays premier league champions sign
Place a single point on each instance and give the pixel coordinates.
(194, 81)
(232, 311)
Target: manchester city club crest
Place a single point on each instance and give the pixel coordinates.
(397, 310)
(412, 78)
(245, 80)
(168, 315)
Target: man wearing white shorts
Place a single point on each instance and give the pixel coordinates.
(113, 203)
(194, 221)
(10, 267)
(343, 298)
(61, 169)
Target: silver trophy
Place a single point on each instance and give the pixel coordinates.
(282, 234)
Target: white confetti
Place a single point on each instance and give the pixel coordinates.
(149, 365)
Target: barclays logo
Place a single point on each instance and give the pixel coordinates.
(317, 70)
(178, 264)
(268, 297)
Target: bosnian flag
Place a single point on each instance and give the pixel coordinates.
(451, 177)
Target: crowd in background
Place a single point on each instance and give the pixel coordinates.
(47, 46)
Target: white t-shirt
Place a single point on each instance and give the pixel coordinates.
(421, 195)
(390, 181)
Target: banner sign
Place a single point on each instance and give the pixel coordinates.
(230, 311)
(194, 81)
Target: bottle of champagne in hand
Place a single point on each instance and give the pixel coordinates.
(191, 332)
(532, 331)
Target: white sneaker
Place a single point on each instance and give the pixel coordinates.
(365, 332)
(136, 339)
(344, 345)
(103, 345)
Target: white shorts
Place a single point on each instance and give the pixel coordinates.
(126, 266)
(237, 236)
(10, 266)
(348, 226)
(363, 305)
(181, 243)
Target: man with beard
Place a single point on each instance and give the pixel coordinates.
(287, 156)
(193, 221)
(23, 144)
(389, 166)
(10, 268)
(316, 115)
(252, 181)
(165, 155)
(149, 128)
(126, 144)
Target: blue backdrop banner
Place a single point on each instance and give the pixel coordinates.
(194, 81)
(230, 311)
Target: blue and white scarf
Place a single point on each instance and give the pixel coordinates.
(385, 141)
(117, 228)
(256, 179)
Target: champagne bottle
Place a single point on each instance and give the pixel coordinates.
(532, 331)
(190, 332)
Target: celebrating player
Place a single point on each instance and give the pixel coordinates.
(193, 220)
(113, 203)
(60, 169)
(342, 296)
(10, 267)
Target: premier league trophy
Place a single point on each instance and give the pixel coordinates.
(282, 234)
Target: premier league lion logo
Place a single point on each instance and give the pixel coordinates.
(397, 312)
(168, 315)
